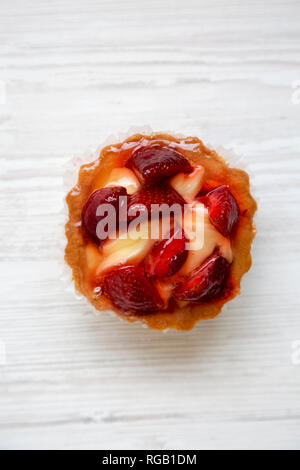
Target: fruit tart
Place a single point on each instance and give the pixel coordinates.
(160, 230)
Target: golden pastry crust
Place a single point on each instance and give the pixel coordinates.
(217, 173)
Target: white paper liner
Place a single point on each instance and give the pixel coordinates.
(70, 179)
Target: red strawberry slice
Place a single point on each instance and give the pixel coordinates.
(206, 283)
(223, 209)
(167, 256)
(89, 218)
(130, 290)
(157, 162)
(142, 201)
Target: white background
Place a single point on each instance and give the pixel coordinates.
(73, 72)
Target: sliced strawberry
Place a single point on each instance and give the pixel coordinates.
(142, 201)
(157, 162)
(89, 217)
(167, 256)
(223, 209)
(130, 290)
(206, 283)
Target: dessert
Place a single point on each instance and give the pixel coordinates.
(160, 231)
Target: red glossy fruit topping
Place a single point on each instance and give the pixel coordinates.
(89, 217)
(223, 209)
(205, 283)
(167, 256)
(130, 291)
(142, 201)
(156, 162)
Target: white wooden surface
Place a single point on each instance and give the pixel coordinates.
(74, 72)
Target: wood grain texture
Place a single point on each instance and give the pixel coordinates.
(75, 72)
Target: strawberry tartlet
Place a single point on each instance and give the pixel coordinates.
(160, 230)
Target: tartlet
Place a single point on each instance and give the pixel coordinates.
(170, 280)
